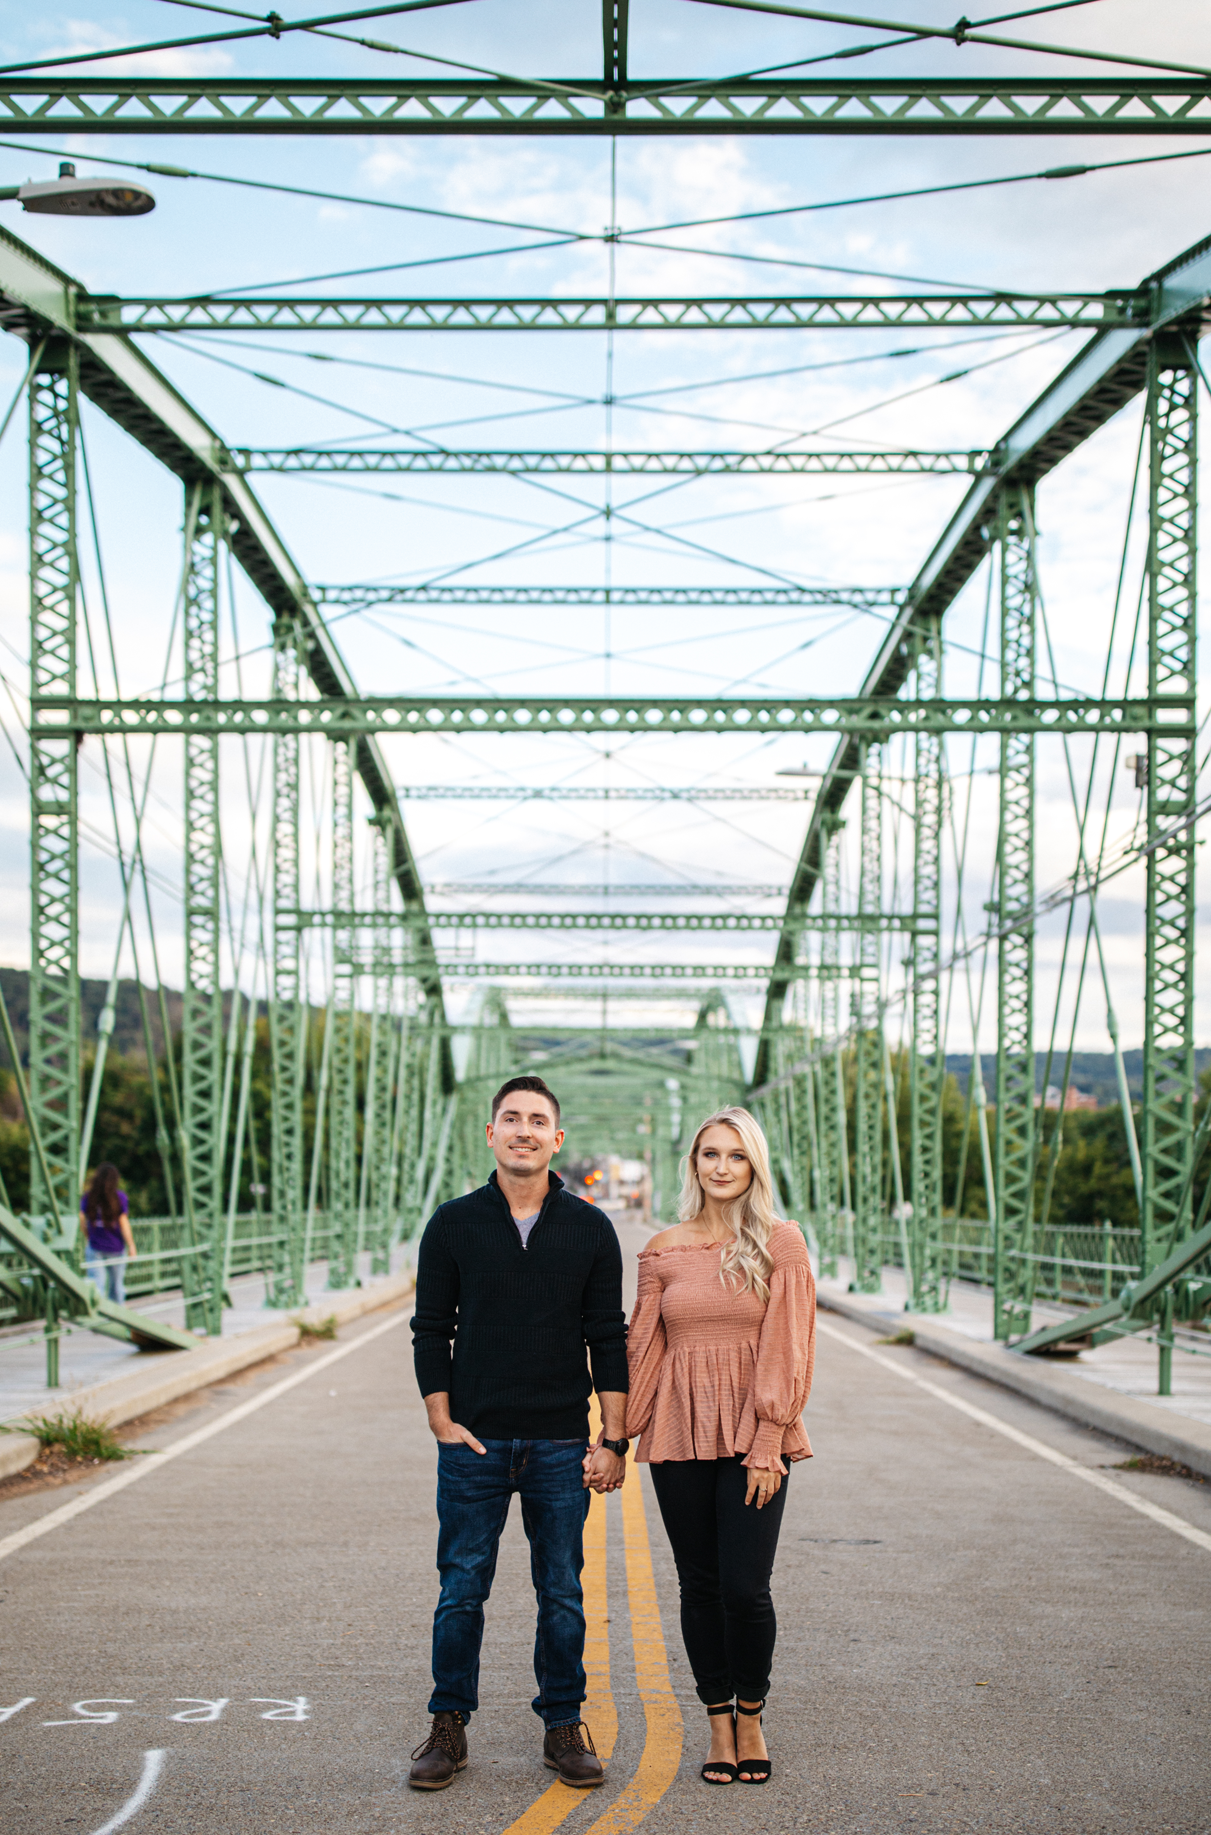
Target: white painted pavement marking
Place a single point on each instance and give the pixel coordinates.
(1087, 1474)
(156, 1462)
(153, 1765)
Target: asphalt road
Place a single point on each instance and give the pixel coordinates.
(970, 1637)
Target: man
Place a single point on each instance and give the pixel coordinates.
(524, 1278)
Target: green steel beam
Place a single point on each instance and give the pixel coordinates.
(608, 971)
(473, 888)
(1133, 1302)
(877, 716)
(287, 1022)
(1106, 374)
(614, 21)
(827, 1075)
(808, 312)
(246, 105)
(598, 793)
(736, 921)
(1013, 1224)
(88, 1308)
(868, 598)
(202, 999)
(343, 1079)
(1170, 1084)
(645, 464)
(927, 1053)
(54, 982)
(867, 1020)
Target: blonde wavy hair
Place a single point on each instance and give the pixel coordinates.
(751, 1216)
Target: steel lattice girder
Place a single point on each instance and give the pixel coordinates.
(859, 714)
(598, 920)
(661, 464)
(927, 1059)
(866, 597)
(202, 1000)
(287, 1029)
(1035, 105)
(867, 1022)
(54, 983)
(472, 888)
(598, 971)
(1013, 1224)
(1170, 1085)
(1100, 379)
(342, 1100)
(812, 312)
(598, 793)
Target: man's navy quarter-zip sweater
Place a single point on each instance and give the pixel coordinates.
(520, 1319)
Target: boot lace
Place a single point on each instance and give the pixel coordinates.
(573, 1738)
(443, 1738)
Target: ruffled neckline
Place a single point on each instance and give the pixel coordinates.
(696, 1248)
(680, 1248)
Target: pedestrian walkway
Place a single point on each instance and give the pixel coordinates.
(87, 1357)
(1128, 1364)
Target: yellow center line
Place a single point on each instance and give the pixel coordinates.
(662, 1746)
(558, 1800)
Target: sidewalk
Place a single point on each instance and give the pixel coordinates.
(1112, 1388)
(115, 1381)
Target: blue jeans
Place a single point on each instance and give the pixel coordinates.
(109, 1272)
(474, 1491)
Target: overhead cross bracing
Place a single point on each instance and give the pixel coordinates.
(642, 464)
(881, 311)
(934, 721)
(208, 105)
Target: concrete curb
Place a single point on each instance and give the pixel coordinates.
(1064, 1390)
(165, 1376)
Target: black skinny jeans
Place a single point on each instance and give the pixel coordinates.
(724, 1550)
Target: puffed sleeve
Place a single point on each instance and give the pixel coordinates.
(787, 1351)
(645, 1348)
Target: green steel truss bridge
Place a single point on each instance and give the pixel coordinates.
(390, 1063)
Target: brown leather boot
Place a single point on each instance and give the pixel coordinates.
(438, 1758)
(577, 1764)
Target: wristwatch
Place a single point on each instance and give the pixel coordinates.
(618, 1447)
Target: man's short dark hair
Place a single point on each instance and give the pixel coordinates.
(534, 1085)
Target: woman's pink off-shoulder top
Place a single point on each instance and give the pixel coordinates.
(715, 1371)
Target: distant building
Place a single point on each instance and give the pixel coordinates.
(1075, 1099)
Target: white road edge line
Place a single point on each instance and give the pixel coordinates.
(155, 1462)
(153, 1765)
(1087, 1474)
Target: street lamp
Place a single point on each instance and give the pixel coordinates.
(69, 196)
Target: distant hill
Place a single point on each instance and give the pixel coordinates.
(128, 1023)
(1092, 1071)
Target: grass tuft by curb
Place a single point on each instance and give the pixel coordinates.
(76, 1436)
(1156, 1462)
(905, 1335)
(323, 1328)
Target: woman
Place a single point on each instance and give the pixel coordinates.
(720, 1348)
(109, 1243)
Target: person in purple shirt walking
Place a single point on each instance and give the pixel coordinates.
(109, 1243)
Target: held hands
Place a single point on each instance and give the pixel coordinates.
(603, 1470)
(763, 1484)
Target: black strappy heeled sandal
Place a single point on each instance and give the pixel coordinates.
(760, 1768)
(726, 1765)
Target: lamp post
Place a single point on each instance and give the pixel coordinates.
(69, 196)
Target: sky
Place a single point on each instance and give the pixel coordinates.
(844, 390)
